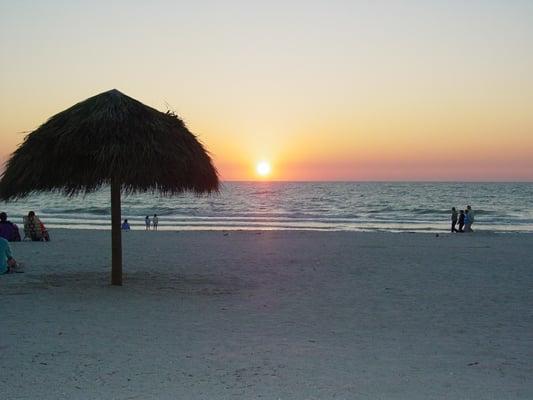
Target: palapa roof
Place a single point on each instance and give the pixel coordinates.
(109, 137)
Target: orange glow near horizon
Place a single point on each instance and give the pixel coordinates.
(338, 91)
(401, 146)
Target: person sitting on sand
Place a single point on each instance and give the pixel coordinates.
(7, 262)
(8, 230)
(35, 229)
(125, 225)
(454, 219)
(155, 222)
(147, 222)
(461, 221)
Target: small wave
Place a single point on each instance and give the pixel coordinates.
(382, 210)
(428, 211)
(80, 210)
(486, 212)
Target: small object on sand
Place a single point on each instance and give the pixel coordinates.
(473, 363)
(436, 235)
(15, 267)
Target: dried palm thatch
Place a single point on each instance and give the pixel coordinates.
(104, 138)
(110, 139)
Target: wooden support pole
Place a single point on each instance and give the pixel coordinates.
(116, 235)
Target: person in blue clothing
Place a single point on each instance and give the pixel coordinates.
(125, 225)
(7, 262)
(468, 223)
(471, 219)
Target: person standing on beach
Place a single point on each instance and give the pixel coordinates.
(454, 219)
(125, 225)
(467, 221)
(470, 218)
(147, 222)
(461, 221)
(155, 222)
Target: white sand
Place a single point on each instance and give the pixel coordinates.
(271, 315)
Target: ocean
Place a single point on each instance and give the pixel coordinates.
(350, 206)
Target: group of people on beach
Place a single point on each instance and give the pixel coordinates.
(464, 219)
(34, 230)
(153, 223)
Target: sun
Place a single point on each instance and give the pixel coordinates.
(263, 168)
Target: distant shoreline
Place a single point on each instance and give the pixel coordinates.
(478, 232)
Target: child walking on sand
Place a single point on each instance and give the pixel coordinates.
(155, 221)
(147, 222)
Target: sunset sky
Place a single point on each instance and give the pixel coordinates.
(321, 90)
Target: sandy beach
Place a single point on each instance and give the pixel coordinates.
(270, 315)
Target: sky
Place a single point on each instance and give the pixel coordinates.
(321, 90)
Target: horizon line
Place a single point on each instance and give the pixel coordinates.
(370, 181)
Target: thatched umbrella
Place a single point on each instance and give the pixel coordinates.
(110, 139)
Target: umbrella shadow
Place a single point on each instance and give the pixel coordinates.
(139, 282)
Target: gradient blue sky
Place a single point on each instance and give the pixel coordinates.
(363, 90)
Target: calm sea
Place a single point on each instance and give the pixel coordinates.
(357, 206)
